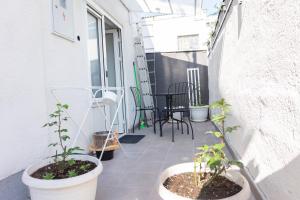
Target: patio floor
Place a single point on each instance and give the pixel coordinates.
(135, 177)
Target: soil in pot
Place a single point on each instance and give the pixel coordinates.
(184, 185)
(71, 169)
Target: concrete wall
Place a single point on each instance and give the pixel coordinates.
(254, 65)
(32, 60)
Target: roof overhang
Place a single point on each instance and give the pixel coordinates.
(164, 7)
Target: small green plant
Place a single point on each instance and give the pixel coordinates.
(223, 109)
(72, 173)
(213, 157)
(71, 162)
(57, 122)
(85, 167)
(48, 176)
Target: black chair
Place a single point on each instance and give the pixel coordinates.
(179, 103)
(141, 108)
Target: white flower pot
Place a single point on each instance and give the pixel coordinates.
(232, 174)
(81, 187)
(199, 113)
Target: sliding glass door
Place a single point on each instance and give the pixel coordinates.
(95, 50)
(105, 58)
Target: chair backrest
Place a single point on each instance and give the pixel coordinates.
(181, 93)
(136, 96)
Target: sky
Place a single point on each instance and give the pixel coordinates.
(210, 6)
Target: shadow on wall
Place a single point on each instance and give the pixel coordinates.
(172, 67)
(274, 183)
(242, 138)
(284, 180)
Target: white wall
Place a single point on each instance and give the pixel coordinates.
(166, 30)
(255, 67)
(22, 97)
(32, 60)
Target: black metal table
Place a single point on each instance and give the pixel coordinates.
(168, 98)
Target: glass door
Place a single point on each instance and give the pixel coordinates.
(114, 73)
(95, 50)
(105, 58)
(97, 69)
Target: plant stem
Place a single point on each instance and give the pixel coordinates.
(215, 175)
(60, 138)
(223, 126)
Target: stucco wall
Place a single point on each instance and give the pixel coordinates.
(32, 60)
(255, 67)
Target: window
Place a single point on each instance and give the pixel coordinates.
(188, 42)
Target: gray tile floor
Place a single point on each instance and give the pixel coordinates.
(135, 176)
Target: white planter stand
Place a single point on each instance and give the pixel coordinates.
(81, 187)
(199, 113)
(232, 174)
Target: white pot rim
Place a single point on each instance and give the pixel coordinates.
(60, 183)
(231, 174)
(195, 107)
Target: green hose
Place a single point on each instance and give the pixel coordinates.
(139, 98)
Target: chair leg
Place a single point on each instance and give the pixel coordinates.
(181, 118)
(187, 128)
(172, 128)
(160, 125)
(134, 120)
(153, 121)
(139, 124)
(145, 121)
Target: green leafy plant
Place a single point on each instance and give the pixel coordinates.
(222, 109)
(58, 117)
(213, 157)
(85, 167)
(72, 173)
(48, 176)
(71, 162)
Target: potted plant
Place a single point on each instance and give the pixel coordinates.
(212, 175)
(199, 112)
(67, 174)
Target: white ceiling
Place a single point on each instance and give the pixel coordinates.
(176, 7)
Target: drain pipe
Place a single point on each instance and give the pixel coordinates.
(222, 22)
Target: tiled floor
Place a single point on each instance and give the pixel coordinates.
(135, 176)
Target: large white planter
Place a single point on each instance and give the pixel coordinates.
(232, 174)
(81, 187)
(199, 113)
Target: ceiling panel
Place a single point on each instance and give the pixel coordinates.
(159, 6)
(183, 7)
(177, 7)
(136, 5)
